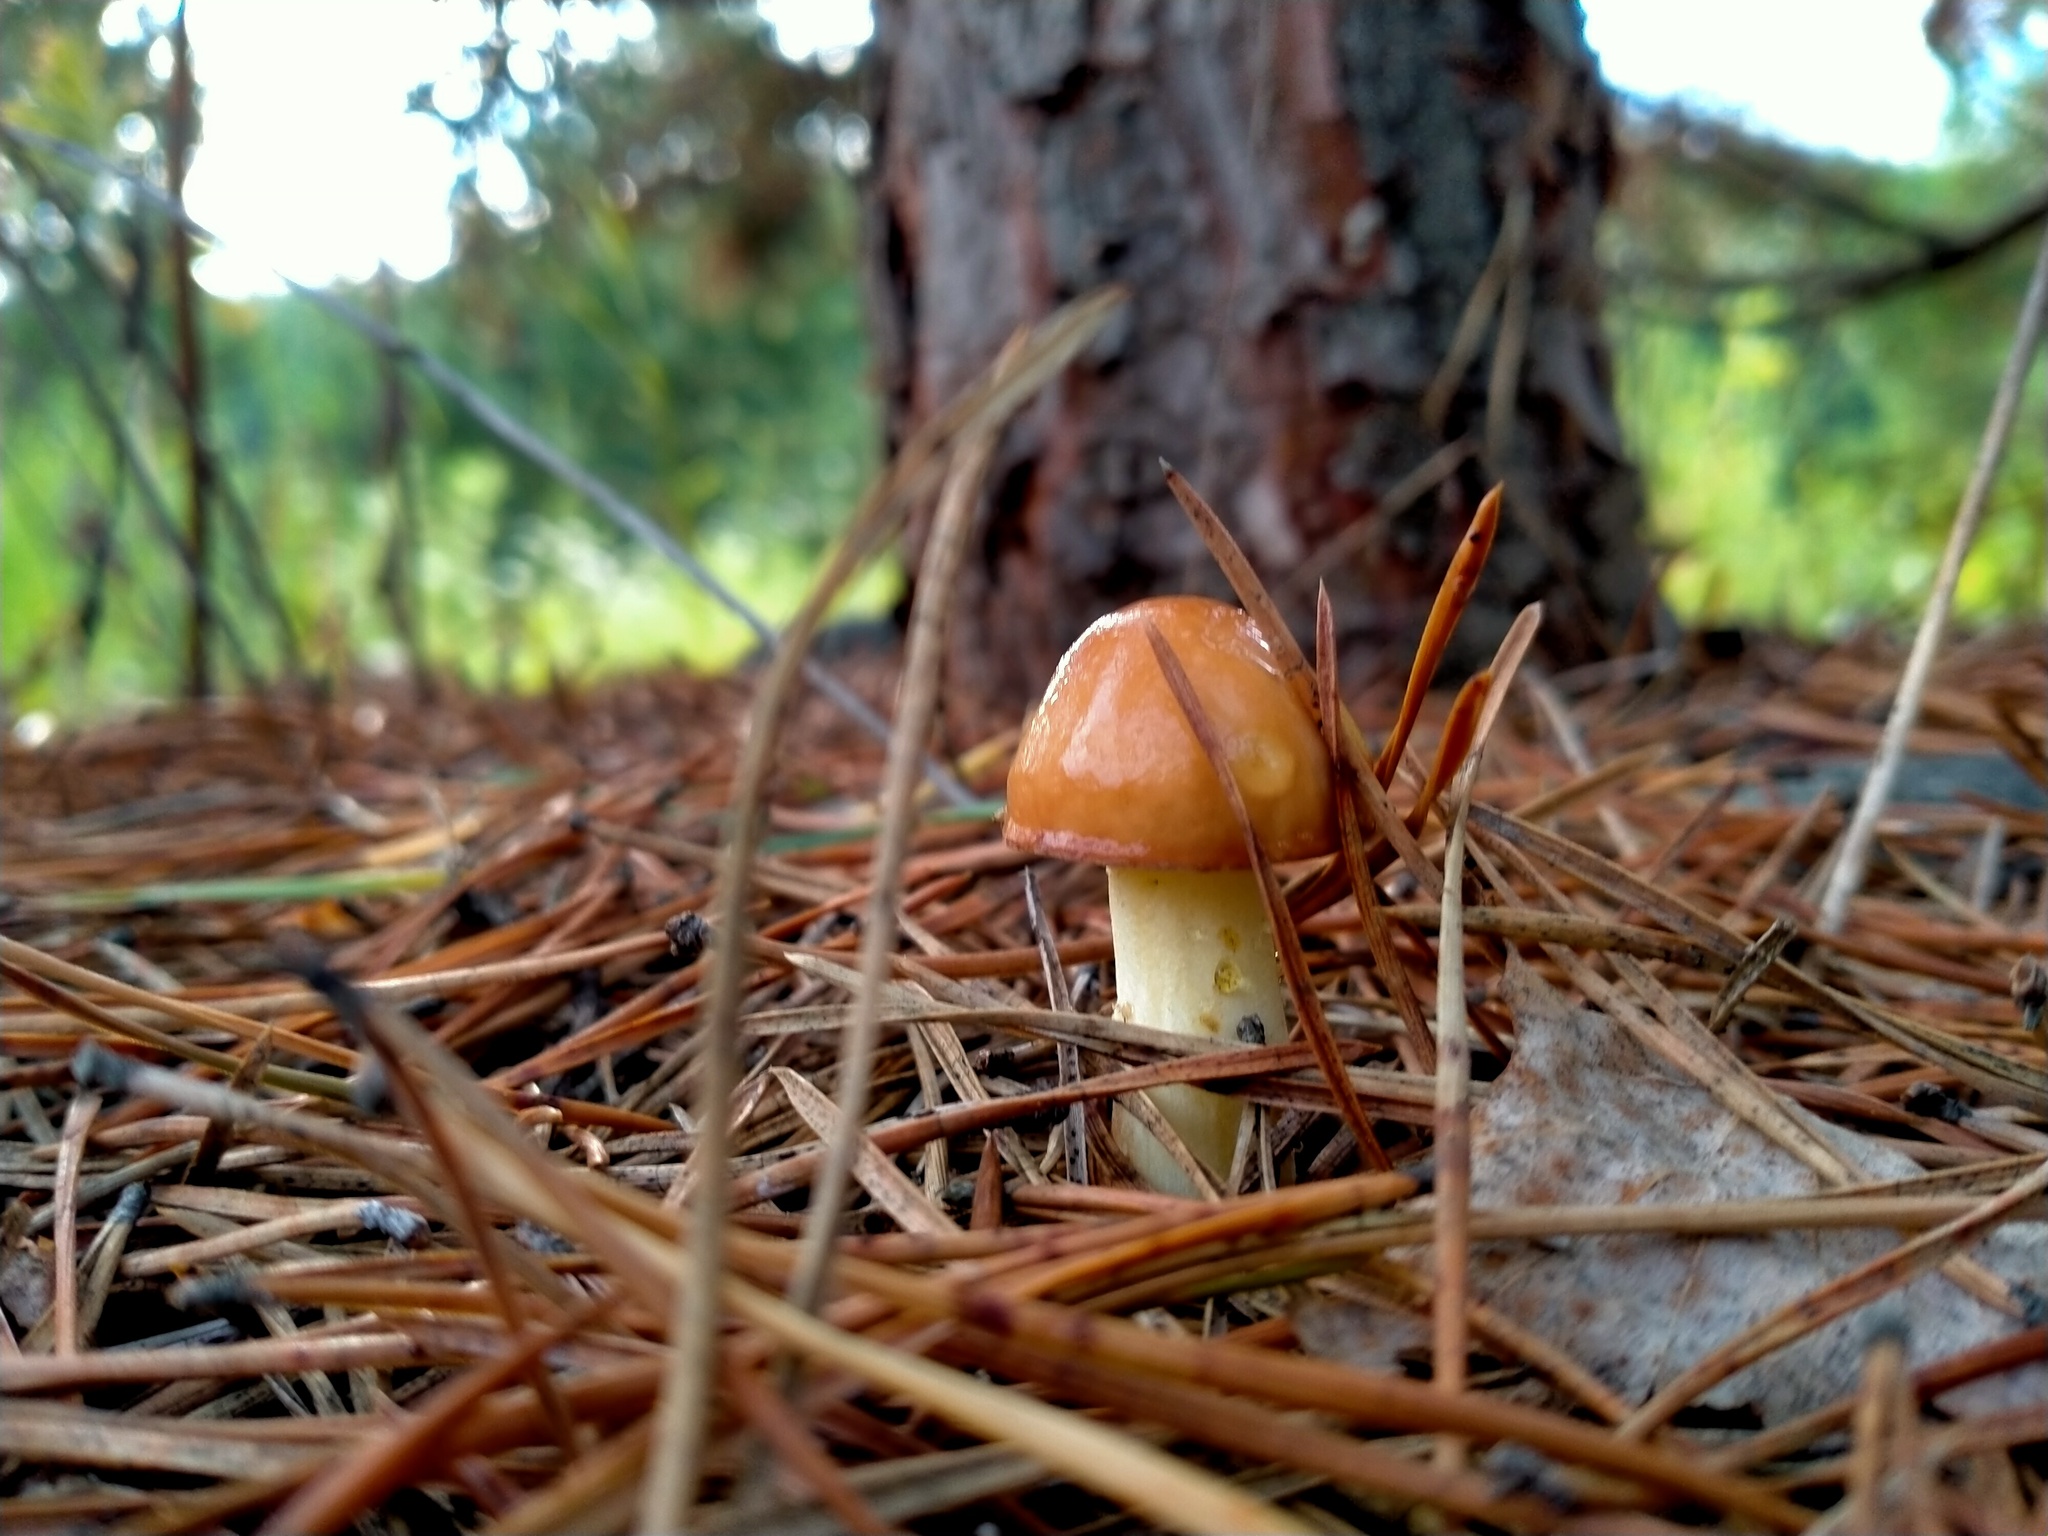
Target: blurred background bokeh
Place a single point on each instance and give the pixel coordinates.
(640, 229)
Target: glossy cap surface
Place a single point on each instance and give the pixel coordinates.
(1109, 772)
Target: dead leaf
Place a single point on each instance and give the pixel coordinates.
(1584, 1116)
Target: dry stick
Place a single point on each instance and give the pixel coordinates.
(1859, 1287)
(683, 1416)
(1061, 998)
(342, 1216)
(1308, 1003)
(1365, 891)
(1452, 598)
(1117, 1251)
(937, 578)
(1294, 666)
(253, 1357)
(1453, 1154)
(1852, 854)
(78, 1118)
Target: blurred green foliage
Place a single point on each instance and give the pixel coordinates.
(1807, 348)
(684, 318)
(678, 308)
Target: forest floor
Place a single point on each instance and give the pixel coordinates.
(1751, 1235)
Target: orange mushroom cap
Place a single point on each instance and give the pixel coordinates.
(1109, 771)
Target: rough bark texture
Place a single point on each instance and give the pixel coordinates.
(1304, 199)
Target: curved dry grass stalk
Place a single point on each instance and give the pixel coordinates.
(1049, 349)
(938, 579)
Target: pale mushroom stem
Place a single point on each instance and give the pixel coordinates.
(1194, 954)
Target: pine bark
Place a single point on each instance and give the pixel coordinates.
(1304, 200)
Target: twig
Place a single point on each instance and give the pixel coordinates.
(1828, 290)
(1453, 1143)
(129, 297)
(1852, 855)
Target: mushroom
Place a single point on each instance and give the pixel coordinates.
(1109, 772)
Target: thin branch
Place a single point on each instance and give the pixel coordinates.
(1452, 1227)
(191, 380)
(102, 406)
(515, 435)
(1828, 289)
(1853, 854)
(130, 300)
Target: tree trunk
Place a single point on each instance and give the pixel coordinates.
(1321, 211)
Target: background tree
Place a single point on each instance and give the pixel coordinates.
(1360, 243)
(1307, 198)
